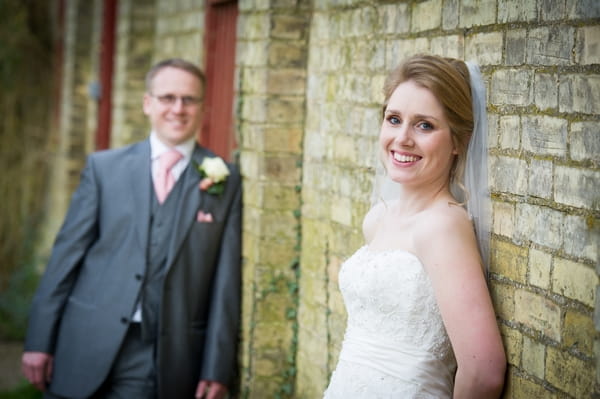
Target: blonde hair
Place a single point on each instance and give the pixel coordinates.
(448, 80)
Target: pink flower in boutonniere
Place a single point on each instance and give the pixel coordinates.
(214, 172)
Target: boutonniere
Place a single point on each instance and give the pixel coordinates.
(214, 172)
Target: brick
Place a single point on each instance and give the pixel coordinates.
(289, 27)
(534, 356)
(320, 27)
(394, 18)
(546, 91)
(510, 132)
(493, 129)
(397, 50)
(516, 11)
(526, 389)
(552, 10)
(584, 141)
(316, 145)
(504, 218)
(288, 140)
(281, 167)
(503, 297)
(314, 289)
(575, 281)
(597, 356)
(253, 80)
(540, 225)
(286, 55)
(511, 87)
(581, 237)
(477, 13)
(578, 332)
(577, 187)
(508, 175)
(579, 93)
(509, 261)
(312, 368)
(544, 135)
(315, 204)
(365, 55)
(516, 47)
(550, 45)
(254, 109)
(341, 211)
(450, 14)
(486, 48)
(569, 374)
(539, 313)
(286, 81)
(588, 45)
(426, 15)
(448, 46)
(540, 178)
(584, 9)
(358, 22)
(540, 266)
(513, 344)
(254, 53)
(285, 110)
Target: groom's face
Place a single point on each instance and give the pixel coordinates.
(174, 105)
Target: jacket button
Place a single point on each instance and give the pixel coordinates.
(138, 277)
(124, 320)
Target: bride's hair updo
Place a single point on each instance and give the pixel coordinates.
(448, 80)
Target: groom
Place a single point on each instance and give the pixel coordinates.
(141, 296)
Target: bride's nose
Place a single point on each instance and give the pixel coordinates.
(403, 135)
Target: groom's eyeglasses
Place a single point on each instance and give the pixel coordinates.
(170, 99)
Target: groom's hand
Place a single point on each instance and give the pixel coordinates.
(210, 390)
(37, 368)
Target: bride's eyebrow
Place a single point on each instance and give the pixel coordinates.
(417, 116)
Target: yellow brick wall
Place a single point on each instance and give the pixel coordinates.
(308, 97)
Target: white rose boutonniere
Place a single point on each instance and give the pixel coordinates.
(214, 172)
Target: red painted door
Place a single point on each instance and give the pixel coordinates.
(107, 52)
(218, 131)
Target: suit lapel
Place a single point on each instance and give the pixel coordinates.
(189, 203)
(141, 187)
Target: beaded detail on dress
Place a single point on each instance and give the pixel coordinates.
(395, 345)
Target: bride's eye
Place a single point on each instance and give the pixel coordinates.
(394, 120)
(425, 125)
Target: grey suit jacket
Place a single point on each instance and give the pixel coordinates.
(86, 297)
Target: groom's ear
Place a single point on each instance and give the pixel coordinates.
(147, 104)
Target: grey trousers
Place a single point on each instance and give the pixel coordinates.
(133, 375)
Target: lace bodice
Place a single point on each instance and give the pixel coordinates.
(395, 343)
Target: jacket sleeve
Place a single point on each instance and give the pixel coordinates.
(220, 350)
(78, 232)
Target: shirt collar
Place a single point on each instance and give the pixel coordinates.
(157, 147)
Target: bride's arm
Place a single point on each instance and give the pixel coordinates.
(446, 245)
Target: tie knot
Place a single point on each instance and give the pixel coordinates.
(170, 158)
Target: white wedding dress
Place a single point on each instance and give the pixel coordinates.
(395, 345)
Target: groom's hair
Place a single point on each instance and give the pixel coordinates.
(178, 63)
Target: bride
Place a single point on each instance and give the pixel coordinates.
(420, 318)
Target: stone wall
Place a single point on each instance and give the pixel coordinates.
(272, 59)
(78, 112)
(134, 48)
(308, 103)
(540, 61)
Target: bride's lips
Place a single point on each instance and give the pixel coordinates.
(404, 157)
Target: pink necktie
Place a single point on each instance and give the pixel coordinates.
(164, 180)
